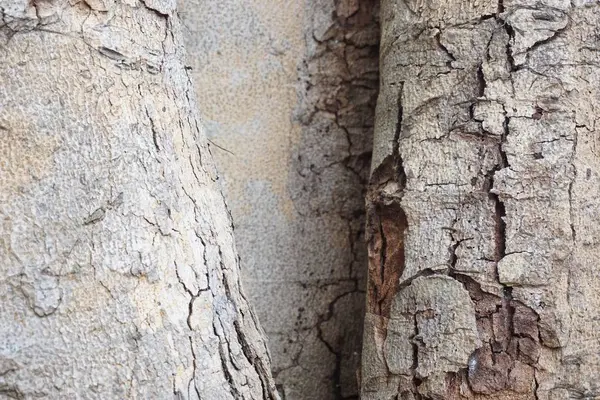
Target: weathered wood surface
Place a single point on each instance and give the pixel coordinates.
(119, 276)
(485, 177)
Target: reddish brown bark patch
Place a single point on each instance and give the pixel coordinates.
(385, 235)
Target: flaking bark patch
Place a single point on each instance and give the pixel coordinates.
(493, 134)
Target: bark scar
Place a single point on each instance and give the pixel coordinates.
(387, 225)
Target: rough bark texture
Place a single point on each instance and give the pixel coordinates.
(119, 276)
(483, 201)
(288, 88)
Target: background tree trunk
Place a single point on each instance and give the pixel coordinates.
(288, 88)
(119, 277)
(483, 241)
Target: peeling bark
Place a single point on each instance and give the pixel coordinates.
(489, 110)
(119, 275)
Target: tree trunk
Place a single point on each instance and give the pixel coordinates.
(119, 275)
(483, 245)
(288, 91)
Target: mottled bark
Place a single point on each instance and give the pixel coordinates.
(288, 91)
(119, 276)
(483, 246)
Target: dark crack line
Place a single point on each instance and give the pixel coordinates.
(154, 131)
(397, 134)
(438, 39)
(247, 348)
(481, 81)
(416, 381)
(194, 364)
(337, 383)
(509, 53)
(382, 258)
(557, 33)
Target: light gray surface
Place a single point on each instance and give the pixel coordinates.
(119, 277)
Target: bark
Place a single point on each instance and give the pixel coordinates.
(484, 191)
(119, 275)
(288, 90)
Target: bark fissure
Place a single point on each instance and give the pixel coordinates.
(192, 381)
(336, 377)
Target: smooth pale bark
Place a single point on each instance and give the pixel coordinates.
(484, 200)
(288, 90)
(119, 276)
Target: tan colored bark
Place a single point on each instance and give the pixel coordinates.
(485, 156)
(119, 276)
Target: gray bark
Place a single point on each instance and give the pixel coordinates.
(119, 275)
(288, 89)
(483, 245)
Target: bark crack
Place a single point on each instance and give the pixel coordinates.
(336, 376)
(154, 130)
(449, 54)
(192, 381)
